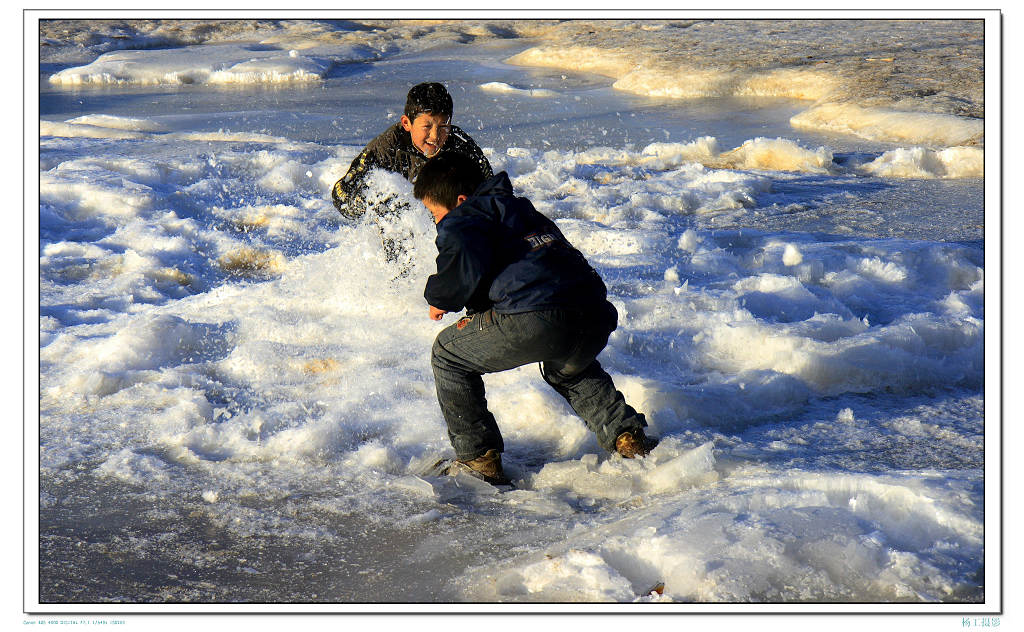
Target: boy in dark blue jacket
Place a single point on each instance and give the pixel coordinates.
(529, 297)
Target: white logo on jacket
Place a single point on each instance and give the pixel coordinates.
(539, 241)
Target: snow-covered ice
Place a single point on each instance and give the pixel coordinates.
(235, 397)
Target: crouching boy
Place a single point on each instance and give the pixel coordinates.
(529, 297)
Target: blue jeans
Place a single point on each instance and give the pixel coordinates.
(566, 343)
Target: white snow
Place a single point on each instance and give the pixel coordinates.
(501, 87)
(895, 126)
(212, 330)
(214, 64)
(919, 162)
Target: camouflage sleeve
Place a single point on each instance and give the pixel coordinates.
(347, 192)
(466, 146)
(477, 155)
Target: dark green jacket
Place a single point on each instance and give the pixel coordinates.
(393, 151)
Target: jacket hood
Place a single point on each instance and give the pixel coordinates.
(498, 185)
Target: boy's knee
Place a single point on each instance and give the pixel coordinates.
(440, 357)
(562, 376)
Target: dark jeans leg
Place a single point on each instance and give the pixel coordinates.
(565, 341)
(486, 343)
(588, 388)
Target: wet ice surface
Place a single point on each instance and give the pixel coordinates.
(346, 110)
(236, 403)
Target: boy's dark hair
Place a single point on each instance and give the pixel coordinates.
(444, 178)
(428, 97)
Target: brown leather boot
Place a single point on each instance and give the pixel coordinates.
(634, 443)
(487, 467)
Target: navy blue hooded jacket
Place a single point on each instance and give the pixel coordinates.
(496, 250)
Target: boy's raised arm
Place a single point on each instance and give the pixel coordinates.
(347, 193)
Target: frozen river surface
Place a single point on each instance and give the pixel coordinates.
(236, 403)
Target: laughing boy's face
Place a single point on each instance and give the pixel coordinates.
(428, 131)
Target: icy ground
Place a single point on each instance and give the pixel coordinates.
(235, 398)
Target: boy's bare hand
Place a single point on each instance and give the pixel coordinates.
(436, 314)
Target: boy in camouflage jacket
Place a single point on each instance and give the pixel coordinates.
(424, 132)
